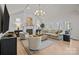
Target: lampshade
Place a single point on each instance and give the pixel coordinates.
(18, 22)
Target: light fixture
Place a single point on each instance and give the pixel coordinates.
(28, 7)
(39, 11)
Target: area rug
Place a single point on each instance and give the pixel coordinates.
(44, 44)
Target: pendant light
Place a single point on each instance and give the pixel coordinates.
(39, 11)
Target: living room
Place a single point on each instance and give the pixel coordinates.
(42, 29)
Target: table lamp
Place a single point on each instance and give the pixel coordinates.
(18, 23)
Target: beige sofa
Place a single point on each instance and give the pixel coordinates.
(52, 33)
(44, 37)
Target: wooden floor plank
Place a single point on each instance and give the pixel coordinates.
(20, 48)
(60, 48)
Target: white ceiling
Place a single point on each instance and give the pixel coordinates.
(52, 10)
(13, 8)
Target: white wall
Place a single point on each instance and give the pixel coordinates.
(54, 14)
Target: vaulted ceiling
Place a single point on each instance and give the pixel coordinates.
(49, 8)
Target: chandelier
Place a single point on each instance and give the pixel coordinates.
(39, 11)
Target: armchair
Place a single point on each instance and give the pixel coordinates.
(34, 42)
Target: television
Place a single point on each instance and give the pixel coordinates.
(5, 20)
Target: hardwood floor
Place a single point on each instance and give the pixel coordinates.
(20, 48)
(62, 48)
(59, 48)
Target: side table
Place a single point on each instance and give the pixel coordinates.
(66, 37)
